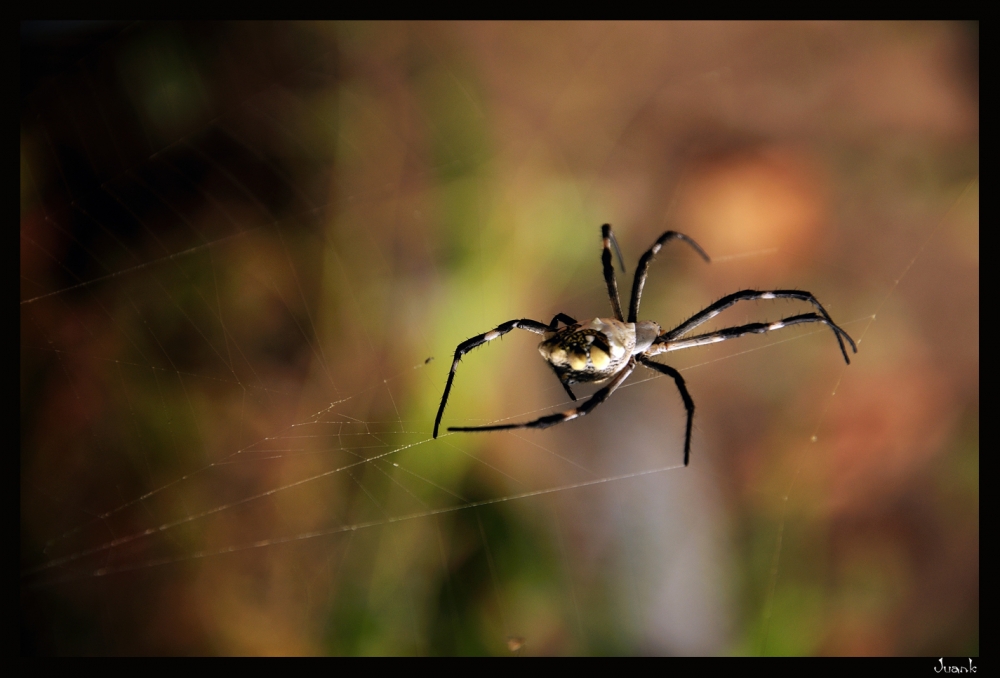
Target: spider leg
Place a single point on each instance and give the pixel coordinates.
(750, 295)
(685, 396)
(563, 318)
(560, 417)
(565, 385)
(608, 238)
(479, 340)
(752, 328)
(643, 268)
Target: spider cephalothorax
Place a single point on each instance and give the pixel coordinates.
(610, 348)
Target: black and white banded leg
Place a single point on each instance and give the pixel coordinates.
(486, 337)
(751, 328)
(685, 396)
(752, 295)
(553, 419)
(608, 241)
(647, 259)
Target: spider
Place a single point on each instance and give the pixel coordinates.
(610, 348)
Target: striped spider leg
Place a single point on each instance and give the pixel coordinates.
(486, 337)
(671, 340)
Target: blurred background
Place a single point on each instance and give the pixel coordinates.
(248, 251)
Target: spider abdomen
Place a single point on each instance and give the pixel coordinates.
(591, 351)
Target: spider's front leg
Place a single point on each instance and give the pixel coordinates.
(607, 242)
(486, 337)
(665, 346)
(670, 340)
(643, 268)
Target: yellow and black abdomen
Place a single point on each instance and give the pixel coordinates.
(591, 351)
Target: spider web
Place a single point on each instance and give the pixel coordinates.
(249, 250)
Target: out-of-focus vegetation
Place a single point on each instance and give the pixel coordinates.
(240, 244)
